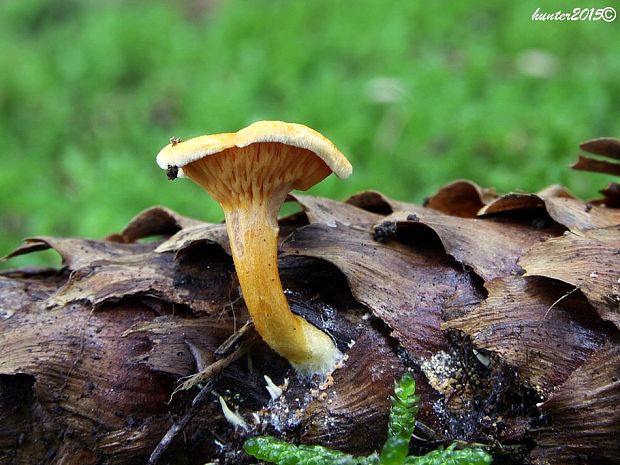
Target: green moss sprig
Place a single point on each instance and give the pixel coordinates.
(394, 452)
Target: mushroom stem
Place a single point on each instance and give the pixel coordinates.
(253, 235)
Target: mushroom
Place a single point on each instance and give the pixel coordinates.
(250, 173)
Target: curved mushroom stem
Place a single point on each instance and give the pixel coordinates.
(251, 183)
(253, 235)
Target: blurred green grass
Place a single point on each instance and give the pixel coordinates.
(416, 94)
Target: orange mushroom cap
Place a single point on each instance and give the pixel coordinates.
(180, 153)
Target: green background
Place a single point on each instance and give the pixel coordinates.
(415, 93)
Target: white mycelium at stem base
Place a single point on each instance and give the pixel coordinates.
(251, 183)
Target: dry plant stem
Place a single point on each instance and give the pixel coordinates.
(209, 376)
(216, 367)
(178, 426)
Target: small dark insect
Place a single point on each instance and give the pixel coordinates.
(385, 231)
(588, 207)
(172, 172)
(175, 140)
(413, 217)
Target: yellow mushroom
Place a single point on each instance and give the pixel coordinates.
(249, 173)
